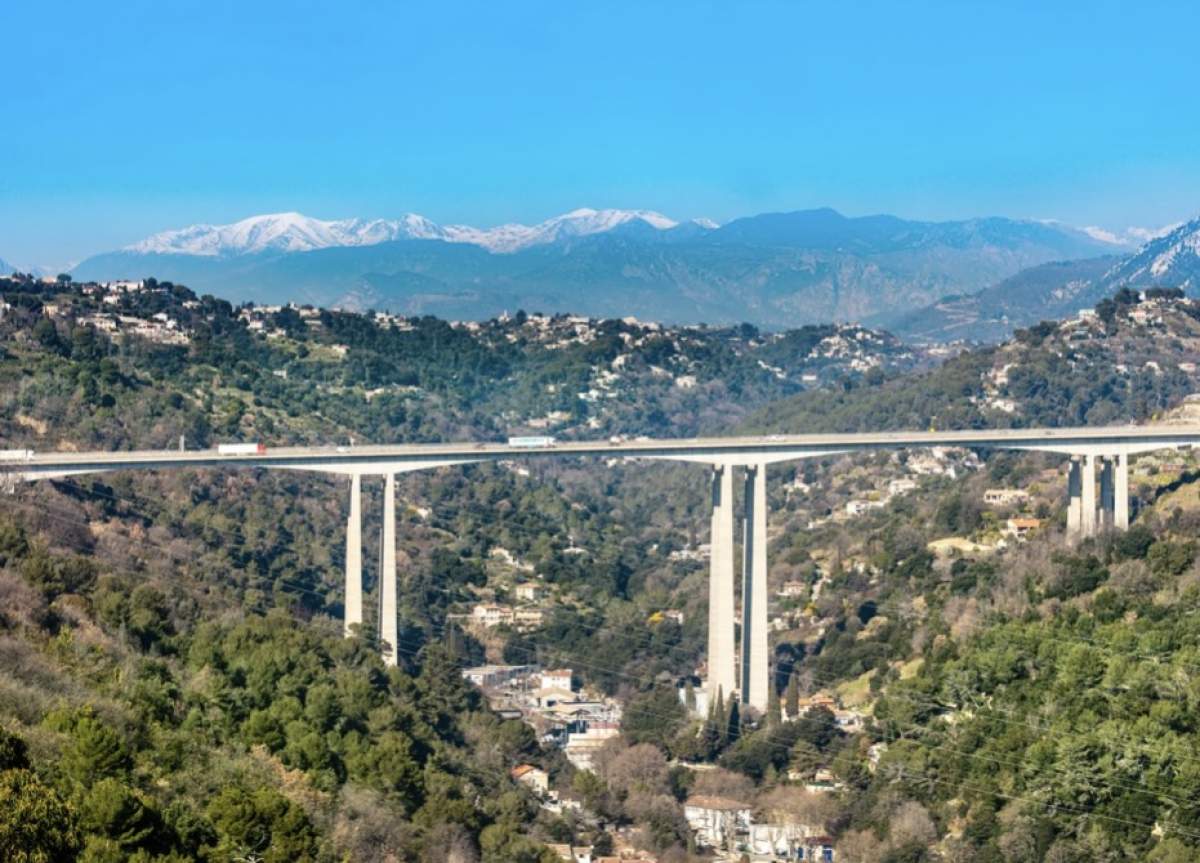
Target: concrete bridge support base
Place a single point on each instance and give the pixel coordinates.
(389, 632)
(755, 659)
(722, 669)
(1087, 513)
(1121, 492)
(354, 581)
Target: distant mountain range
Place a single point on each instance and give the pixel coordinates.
(777, 269)
(6, 267)
(1057, 290)
(294, 232)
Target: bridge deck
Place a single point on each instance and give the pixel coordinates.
(740, 449)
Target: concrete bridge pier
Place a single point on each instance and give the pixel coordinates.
(354, 580)
(1087, 513)
(1121, 492)
(1074, 500)
(1107, 500)
(1088, 496)
(755, 660)
(722, 670)
(389, 628)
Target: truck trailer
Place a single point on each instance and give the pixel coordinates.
(531, 442)
(241, 449)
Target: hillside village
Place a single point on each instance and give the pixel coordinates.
(550, 648)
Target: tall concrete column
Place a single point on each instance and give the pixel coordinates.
(1074, 502)
(1121, 493)
(755, 661)
(1106, 494)
(1088, 497)
(722, 668)
(354, 607)
(389, 631)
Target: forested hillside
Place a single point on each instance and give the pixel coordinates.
(176, 685)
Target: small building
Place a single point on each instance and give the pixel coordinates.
(849, 721)
(1022, 527)
(485, 676)
(817, 849)
(528, 618)
(572, 853)
(796, 589)
(582, 746)
(490, 614)
(529, 591)
(1005, 497)
(534, 778)
(823, 782)
(557, 678)
(552, 696)
(784, 841)
(715, 821)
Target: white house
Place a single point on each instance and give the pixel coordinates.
(528, 592)
(489, 614)
(534, 778)
(716, 820)
(782, 841)
(557, 678)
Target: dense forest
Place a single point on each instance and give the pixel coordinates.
(176, 685)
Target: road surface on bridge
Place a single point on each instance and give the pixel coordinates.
(731, 450)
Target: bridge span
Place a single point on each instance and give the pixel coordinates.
(1097, 499)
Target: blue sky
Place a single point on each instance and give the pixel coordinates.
(124, 118)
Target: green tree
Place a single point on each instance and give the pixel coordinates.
(36, 824)
(654, 716)
(94, 752)
(792, 698)
(117, 812)
(14, 752)
(262, 823)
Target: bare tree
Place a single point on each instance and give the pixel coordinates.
(724, 783)
(910, 824)
(641, 768)
(859, 846)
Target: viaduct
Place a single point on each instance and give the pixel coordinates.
(1097, 493)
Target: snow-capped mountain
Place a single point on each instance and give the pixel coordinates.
(1131, 237)
(1172, 260)
(284, 232)
(294, 232)
(774, 268)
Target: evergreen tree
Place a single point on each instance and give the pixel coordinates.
(793, 695)
(734, 726)
(721, 720)
(36, 824)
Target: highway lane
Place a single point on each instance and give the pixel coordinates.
(736, 450)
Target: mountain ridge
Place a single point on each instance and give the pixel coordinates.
(295, 232)
(1058, 289)
(775, 269)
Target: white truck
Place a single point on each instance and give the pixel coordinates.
(16, 454)
(241, 449)
(531, 442)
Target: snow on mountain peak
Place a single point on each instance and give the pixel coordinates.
(1171, 259)
(295, 232)
(1130, 237)
(283, 232)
